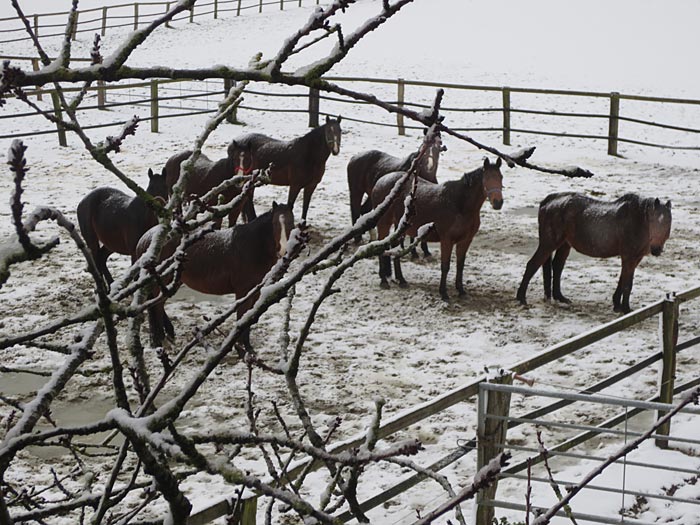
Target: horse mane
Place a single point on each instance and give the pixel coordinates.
(473, 178)
(309, 137)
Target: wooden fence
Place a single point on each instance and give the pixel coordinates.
(311, 102)
(131, 15)
(668, 308)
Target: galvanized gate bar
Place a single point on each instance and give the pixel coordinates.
(592, 398)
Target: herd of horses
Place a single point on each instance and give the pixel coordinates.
(235, 259)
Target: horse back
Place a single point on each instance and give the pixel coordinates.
(172, 170)
(115, 218)
(593, 227)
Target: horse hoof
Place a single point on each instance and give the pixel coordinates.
(445, 297)
(403, 284)
(562, 299)
(461, 293)
(414, 256)
(384, 285)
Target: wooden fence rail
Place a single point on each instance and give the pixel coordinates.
(100, 18)
(614, 117)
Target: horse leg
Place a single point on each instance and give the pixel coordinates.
(249, 207)
(398, 274)
(101, 255)
(244, 338)
(293, 194)
(157, 324)
(461, 251)
(383, 228)
(547, 277)
(445, 256)
(308, 192)
(558, 266)
(414, 252)
(537, 260)
(621, 297)
(424, 247)
(384, 270)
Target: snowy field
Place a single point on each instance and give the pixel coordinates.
(406, 345)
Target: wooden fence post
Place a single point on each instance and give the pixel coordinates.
(299, 3)
(104, 20)
(101, 94)
(136, 16)
(167, 9)
(260, 7)
(192, 15)
(614, 123)
(491, 441)
(281, 5)
(154, 106)
(314, 107)
(35, 67)
(400, 97)
(506, 116)
(669, 338)
(232, 117)
(59, 115)
(238, 9)
(216, 8)
(36, 25)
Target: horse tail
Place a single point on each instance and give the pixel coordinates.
(355, 191)
(85, 212)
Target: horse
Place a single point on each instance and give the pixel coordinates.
(366, 168)
(630, 227)
(297, 163)
(231, 260)
(117, 220)
(453, 207)
(208, 174)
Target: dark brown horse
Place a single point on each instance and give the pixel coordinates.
(454, 208)
(630, 226)
(231, 260)
(117, 220)
(298, 163)
(366, 168)
(208, 174)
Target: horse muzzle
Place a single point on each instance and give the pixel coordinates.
(656, 250)
(497, 204)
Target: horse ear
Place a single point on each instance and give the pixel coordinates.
(657, 202)
(668, 204)
(339, 119)
(498, 162)
(486, 162)
(425, 131)
(274, 205)
(150, 173)
(328, 119)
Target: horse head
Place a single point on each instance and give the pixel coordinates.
(659, 217)
(156, 185)
(429, 162)
(241, 157)
(493, 183)
(331, 131)
(282, 225)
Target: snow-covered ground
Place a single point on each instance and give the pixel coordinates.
(407, 345)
